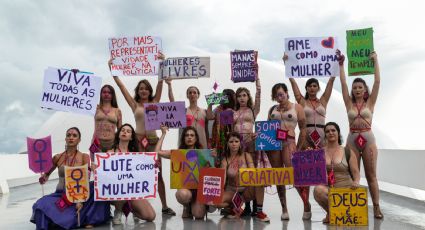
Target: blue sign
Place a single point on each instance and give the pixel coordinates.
(266, 135)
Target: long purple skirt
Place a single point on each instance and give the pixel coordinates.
(45, 212)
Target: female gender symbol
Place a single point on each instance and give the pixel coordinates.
(77, 180)
(43, 145)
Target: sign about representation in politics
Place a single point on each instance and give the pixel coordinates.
(125, 176)
(77, 183)
(185, 67)
(244, 66)
(266, 138)
(311, 57)
(211, 185)
(266, 176)
(348, 206)
(135, 56)
(359, 48)
(216, 98)
(40, 154)
(185, 167)
(66, 90)
(309, 168)
(172, 115)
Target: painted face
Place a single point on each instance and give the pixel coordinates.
(312, 89)
(106, 94)
(358, 89)
(192, 94)
(125, 133)
(72, 138)
(281, 96)
(190, 138)
(234, 144)
(242, 98)
(143, 91)
(331, 133)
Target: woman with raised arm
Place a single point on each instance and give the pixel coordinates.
(143, 93)
(234, 159)
(55, 210)
(107, 119)
(341, 163)
(126, 141)
(187, 197)
(360, 139)
(290, 115)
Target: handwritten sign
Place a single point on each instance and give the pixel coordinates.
(266, 138)
(185, 67)
(211, 185)
(135, 56)
(244, 66)
(216, 98)
(266, 176)
(311, 57)
(125, 176)
(309, 167)
(185, 166)
(65, 90)
(226, 117)
(348, 206)
(39, 154)
(359, 48)
(172, 115)
(77, 183)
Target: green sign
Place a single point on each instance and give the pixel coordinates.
(359, 48)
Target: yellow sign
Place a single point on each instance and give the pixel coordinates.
(77, 183)
(348, 206)
(266, 176)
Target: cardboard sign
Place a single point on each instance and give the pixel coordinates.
(309, 168)
(348, 206)
(65, 90)
(266, 176)
(185, 166)
(359, 48)
(172, 115)
(185, 67)
(211, 185)
(135, 56)
(311, 57)
(244, 66)
(125, 176)
(216, 98)
(77, 183)
(226, 117)
(39, 154)
(266, 138)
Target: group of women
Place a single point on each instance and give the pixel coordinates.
(233, 148)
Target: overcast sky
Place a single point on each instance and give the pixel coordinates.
(73, 34)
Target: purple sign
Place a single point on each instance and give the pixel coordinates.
(39, 154)
(309, 167)
(226, 117)
(244, 66)
(172, 115)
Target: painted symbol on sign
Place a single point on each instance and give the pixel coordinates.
(40, 151)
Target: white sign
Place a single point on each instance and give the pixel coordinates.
(185, 67)
(125, 176)
(65, 90)
(311, 57)
(135, 56)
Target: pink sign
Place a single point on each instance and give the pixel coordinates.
(170, 114)
(39, 154)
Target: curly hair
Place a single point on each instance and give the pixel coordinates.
(239, 91)
(183, 144)
(150, 89)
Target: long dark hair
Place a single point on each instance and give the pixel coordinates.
(133, 145)
(150, 89)
(182, 144)
(239, 91)
(233, 134)
(114, 97)
(308, 83)
(337, 129)
(76, 129)
(367, 93)
(231, 96)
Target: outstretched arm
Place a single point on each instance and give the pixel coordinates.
(375, 89)
(158, 91)
(342, 78)
(324, 99)
(130, 101)
(257, 103)
(170, 90)
(158, 146)
(297, 93)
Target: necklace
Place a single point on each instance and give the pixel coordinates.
(72, 162)
(195, 115)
